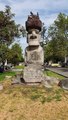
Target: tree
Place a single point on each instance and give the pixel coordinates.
(9, 30)
(3, 53)
(57, 47)
(16, 52)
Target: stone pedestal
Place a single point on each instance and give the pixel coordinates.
(33, 74)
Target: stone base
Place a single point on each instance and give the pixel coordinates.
(33, 74)
(63, 84)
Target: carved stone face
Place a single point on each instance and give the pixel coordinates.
(33, 37)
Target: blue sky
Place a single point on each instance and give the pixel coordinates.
(47, 9)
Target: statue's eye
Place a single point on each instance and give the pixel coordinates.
(37, 31)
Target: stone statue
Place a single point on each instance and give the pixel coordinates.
(34, 54)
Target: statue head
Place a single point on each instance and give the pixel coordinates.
(33, 27)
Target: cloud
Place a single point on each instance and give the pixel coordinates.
(19, 5)
(47, 9)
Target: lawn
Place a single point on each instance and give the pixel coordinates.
(8, 73)
(19, 67)
(23, 102)
(53, 74)
(12, 73)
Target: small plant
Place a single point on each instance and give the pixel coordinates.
(57, 97)
(49, 90)
(49, 98)
(43, 99)
(35, 96)
(59, 91)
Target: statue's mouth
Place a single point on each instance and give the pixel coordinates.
(33, 37)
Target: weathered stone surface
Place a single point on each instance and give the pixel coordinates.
(47, 84)
(33, 74)
(63, 84)
(34, 38)
(35, 55)
(16, 79)
(52, 80)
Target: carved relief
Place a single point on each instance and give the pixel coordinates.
(34, 56)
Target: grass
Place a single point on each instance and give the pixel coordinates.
(18, 101)
(46, 72)
(53, 74)
(19, 67)
(9, 73)
(40, 93)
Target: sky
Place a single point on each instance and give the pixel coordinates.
(48, 11)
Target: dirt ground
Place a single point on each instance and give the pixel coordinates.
(22, 102)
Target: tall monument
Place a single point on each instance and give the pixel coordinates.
(34, 54)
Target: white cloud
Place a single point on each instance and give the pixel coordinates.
(39, 4)
(47, 9)
(22, 8)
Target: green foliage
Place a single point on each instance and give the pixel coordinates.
(2, 75)
(57, 47)
(53, 74)
(19, 67)
(35, 96)
(16, 52)
(8, 28)
(3, 52)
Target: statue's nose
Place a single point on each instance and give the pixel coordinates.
(33, 33)
(33, 36)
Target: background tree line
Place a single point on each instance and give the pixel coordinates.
(9, 31)
(56, 42)
(55, 39)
